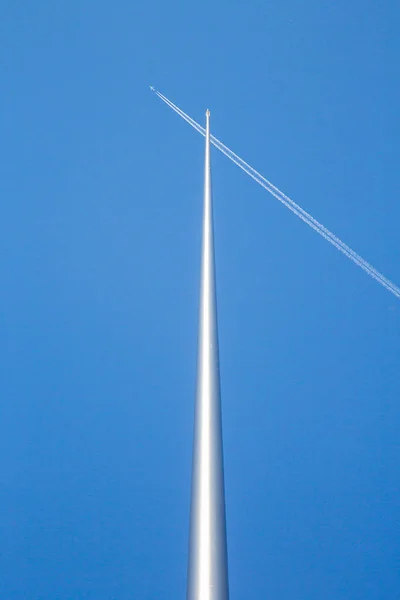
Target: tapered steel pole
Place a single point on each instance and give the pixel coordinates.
(208, 565)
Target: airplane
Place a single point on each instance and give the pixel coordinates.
(153, 89)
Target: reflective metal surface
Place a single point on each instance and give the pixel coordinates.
(208, 566)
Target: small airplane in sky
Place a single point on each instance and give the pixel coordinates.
(153, 89)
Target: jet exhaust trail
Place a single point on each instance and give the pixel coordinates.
(288, 202)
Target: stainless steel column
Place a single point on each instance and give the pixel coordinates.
(208, 565)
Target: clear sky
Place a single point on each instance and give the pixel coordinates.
(101, 192)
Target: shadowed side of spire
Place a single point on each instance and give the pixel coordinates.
(208, 565)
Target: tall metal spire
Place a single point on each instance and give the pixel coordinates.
(208, 565)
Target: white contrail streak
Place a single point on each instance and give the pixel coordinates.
(285, 199)
(288, 202)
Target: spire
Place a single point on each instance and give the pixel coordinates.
(208, 565)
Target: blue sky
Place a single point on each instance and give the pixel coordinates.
(101, 191)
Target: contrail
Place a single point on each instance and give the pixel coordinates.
(323, 231)
(288, 202)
